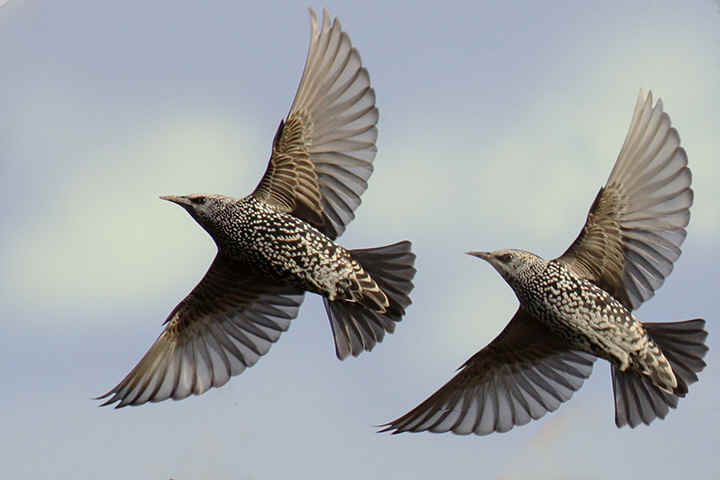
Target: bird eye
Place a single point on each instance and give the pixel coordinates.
(505, 257)
(198, 200)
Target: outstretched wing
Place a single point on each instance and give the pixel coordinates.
(229, 320)
(637, 222)
(323, 152)
(522, 374)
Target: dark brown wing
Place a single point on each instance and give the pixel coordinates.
(322, 154)
(522, 374)
(637, 222)
(229, 320)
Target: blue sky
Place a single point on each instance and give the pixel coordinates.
(498, 123)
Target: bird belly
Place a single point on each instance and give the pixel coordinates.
(597, 334)
(587, 317)
(592, 321)
(289, 250)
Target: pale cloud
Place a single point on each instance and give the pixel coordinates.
(107, 237)
(540, 176)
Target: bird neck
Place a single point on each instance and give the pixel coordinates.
(524, 282)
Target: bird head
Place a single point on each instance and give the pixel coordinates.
(512, 265)
(202, 207)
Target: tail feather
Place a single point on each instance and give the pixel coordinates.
(637, 399)
(392, 268)
(683, 344)
(357, 328)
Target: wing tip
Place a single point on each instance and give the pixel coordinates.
(313, 22)
(111, 400)
(645, 97)
(384, 427)
(394, 427)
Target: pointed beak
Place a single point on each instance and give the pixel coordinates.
(174, 199)
(484, 255)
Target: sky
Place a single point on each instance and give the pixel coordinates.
(499, 121)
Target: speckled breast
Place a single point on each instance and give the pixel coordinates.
(570, 306)
(277, 243)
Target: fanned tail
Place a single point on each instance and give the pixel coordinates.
(637, 399)
(356, 327)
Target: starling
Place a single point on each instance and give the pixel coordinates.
(278, 242)
(579, 306)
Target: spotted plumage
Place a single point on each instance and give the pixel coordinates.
(279, 242)
(578, 307)
(286, 248)
(586, 317)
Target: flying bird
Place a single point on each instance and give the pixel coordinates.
(578, 307)
(279, 242)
